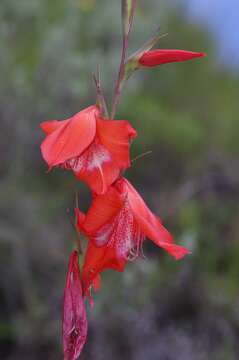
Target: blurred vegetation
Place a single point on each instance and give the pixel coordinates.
(187, 114)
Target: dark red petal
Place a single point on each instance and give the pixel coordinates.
(98, 259)
(116, 137)
(164, 56)
(74, 327)
(71, 139)
(150, 224)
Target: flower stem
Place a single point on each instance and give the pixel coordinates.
(121, 73)
(78, 242)
(78, 239)
(100, 94)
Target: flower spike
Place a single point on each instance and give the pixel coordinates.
(96, 149)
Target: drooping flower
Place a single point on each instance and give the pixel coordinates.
(74, 326)
(95, 149)
(164, 56)
(120, 220)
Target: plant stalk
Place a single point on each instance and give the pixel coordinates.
(121, 73)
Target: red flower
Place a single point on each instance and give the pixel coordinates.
(74, 329)
(95, 149)
(164, 56)
(120, 220)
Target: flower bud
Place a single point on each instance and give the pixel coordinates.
(164, 56)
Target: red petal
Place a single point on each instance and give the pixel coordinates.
(70, 139)
(49, 126)
(96, 167)
(74, 329)
(100, 164)
(103, 209)
(98, 259)
(115, 135)
(110, 222)
(164, 56)
(150, 224)
(99, 178)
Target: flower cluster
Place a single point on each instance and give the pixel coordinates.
(97, 150)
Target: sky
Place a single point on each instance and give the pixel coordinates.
(222, 18)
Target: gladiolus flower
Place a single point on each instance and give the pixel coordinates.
(74, 329)
(120, 220)
(95, 149)
(164, 56)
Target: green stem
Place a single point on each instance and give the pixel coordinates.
(121, 73)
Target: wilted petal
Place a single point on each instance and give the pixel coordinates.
(74, 314)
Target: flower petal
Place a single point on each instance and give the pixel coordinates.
(74, 327)
(96, 167)
(103, 209)
(49, 126)
(71, 139)
(100, 164)
(150, 224)
(164, 56)
(115, 135)
(98, 259)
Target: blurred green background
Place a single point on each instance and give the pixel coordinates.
(187, 115)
